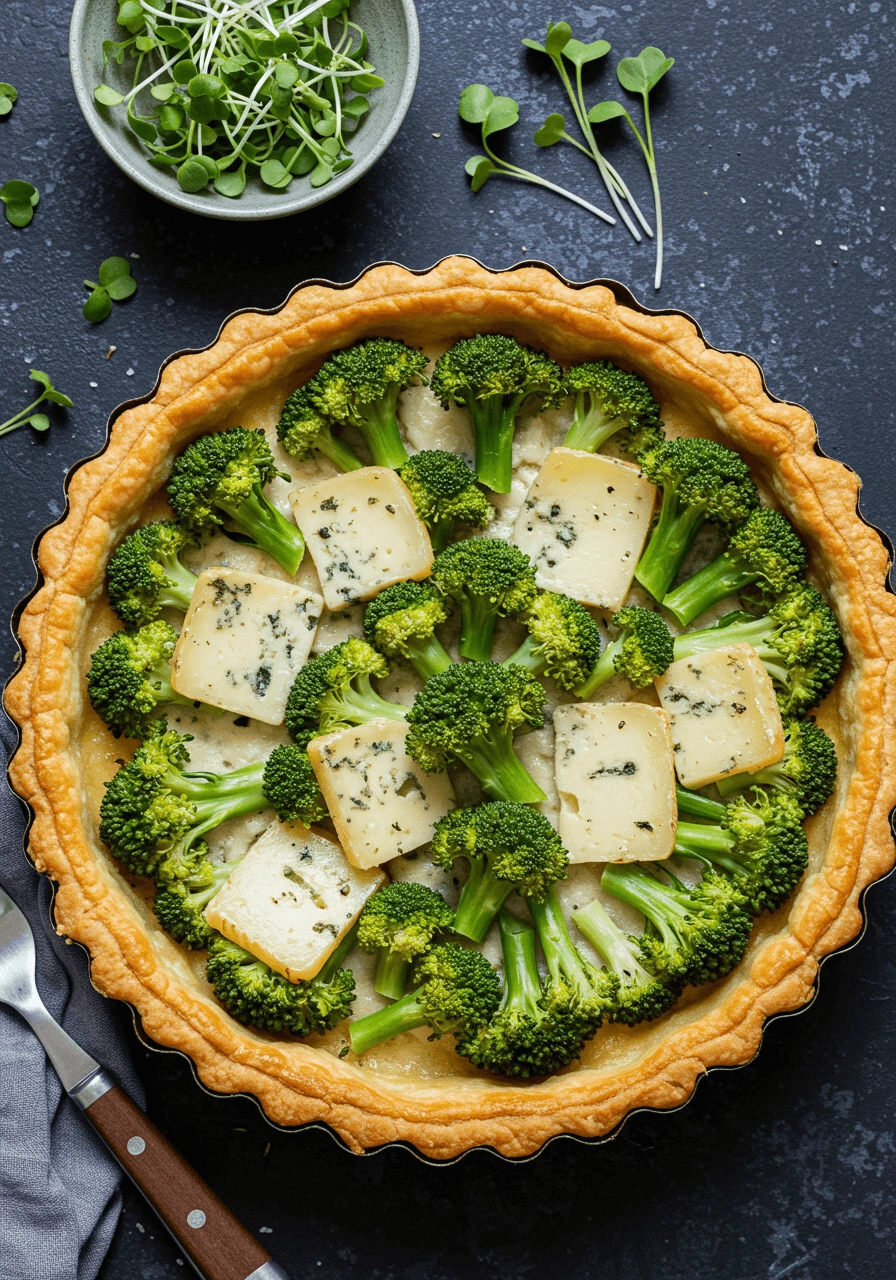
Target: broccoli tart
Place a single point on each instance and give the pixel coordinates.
(623, 981)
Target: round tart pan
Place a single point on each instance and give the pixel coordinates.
(723, 395)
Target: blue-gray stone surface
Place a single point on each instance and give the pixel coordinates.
(775, 144)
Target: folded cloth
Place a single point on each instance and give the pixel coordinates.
(59, 1187)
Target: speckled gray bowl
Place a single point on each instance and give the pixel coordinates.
(394, 49)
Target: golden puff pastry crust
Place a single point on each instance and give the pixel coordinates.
(655, 1065)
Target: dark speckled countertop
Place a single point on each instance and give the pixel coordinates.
(777, 174)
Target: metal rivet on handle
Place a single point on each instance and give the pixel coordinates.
(196, 1218)
(136, 1146)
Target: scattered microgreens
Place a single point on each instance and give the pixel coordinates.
(8, 96)
(115, 283)
(478, 105)
(27, 417)
(20, 199)
(561, 48)
(260, 85)
(641, 75)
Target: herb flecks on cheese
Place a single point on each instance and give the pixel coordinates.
(583, 525)
(363, 533)
(244, 639)
(616, 781)
(291, 899)
(724, 715)
(381, 802)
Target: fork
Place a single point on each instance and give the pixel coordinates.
(216, 1243)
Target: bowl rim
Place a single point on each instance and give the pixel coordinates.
(829, 915)
(224, 209)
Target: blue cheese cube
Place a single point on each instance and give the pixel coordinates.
(583, 525)
(616, 781)
(363, 532)
(291, 899)
(724, 715)
(381, 801)
(244, 639)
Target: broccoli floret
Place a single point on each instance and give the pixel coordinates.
(589, 992)
(399, 923)
(255, 995)
(180, 904)
(641, 652)
(563, 640)
(145, 574)
(361, 385)
(154, 815)
(700, 481)
(471, 711)
(508, 847)
(333, 691)
(401, 622)
(492, 375)
(806, 773)
(130, 676)
(798, 642)
(303, 430)
(693, 935)
(536, 1030)
(458, 991)
(635, 994)
(445, 494)
(765, 552)
(761, 845)
(489, 579)
(611, 402)
(222, 474)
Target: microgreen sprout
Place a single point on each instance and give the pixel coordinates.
(8, 96)
(641, 75)
(21, 200)
(114, 284)
(27, 417)
(478, 105)
(221, 89)
(562, 48)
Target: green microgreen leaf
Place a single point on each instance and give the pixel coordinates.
(192, 176)
(603, 111)
(355, 108)
(580, 54)
(20, 199)
(121, 288)
(475, 102)
(480, 169)
(98, 306)
(286, 74)
(163, 92)
(321, 174)
(641, 74)
(551, 131)
(231, 184)
(275, 174)
(112, 269)
(27, 416)
(131, 15)
(107, 97)
(183, 72)
(502, 114)
(8, 95)
(172, 36)
(39, 421)
(558, 37)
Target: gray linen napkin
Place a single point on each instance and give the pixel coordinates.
(59, 1187)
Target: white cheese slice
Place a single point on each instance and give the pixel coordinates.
(291, 899)
(724, 714)
(583, 525)
(381, 801)
(363, 533)
(616, 781)
(243, 640)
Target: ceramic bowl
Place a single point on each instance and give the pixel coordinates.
(391, 26)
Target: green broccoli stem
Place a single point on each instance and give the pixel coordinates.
(181, 584)
(494, 424)
(699, 806)
(477, 627)
(528, 656)
(702, 840)
(632, 884)
(496, 765)
(405, 1014)
(159, 678)
(219, 797)
(391, 974)
(756, 632)
(357, 706)
(563, 960)
(337, 955)
(602, 671)
(611, 944)
(773, 776)
(268, 528)
(339, 453)
(670, 541)
(481, 898)
(428, 657)
(725, 576)
(378, 423)
(590, 425)
(522, 986)
(440, 532)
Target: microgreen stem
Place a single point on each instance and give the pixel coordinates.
(505, 169)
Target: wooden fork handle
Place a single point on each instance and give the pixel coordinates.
(218, 1245)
